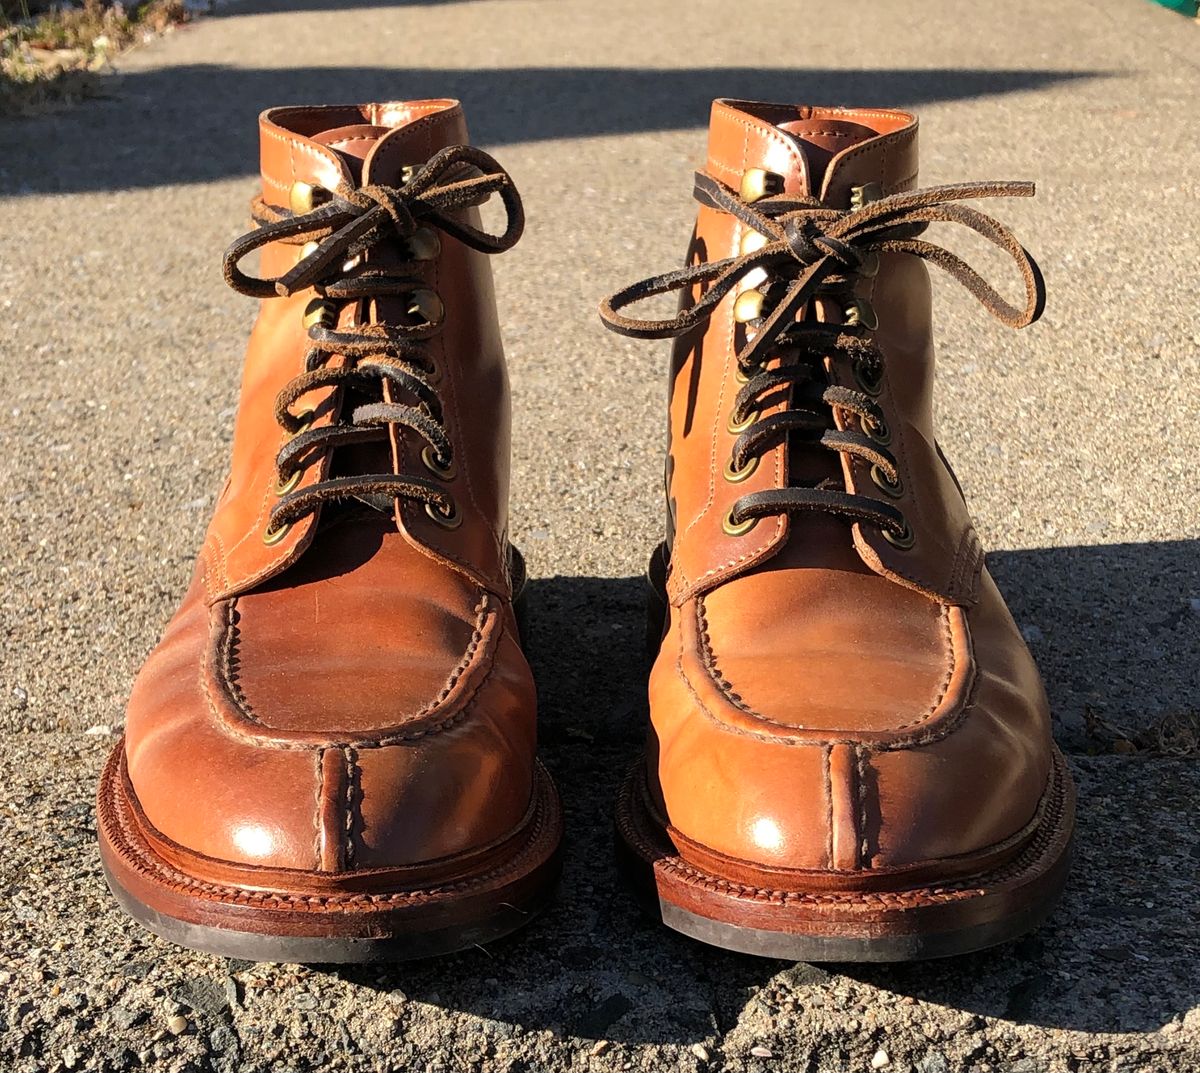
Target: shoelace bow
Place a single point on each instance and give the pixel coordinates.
(374, 354)
(813, 251)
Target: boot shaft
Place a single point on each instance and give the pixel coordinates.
(843, 158)
(308, 157)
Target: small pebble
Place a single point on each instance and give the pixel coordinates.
(761, 1052)
(177, 1024)
(880, 1059)
(100, 730)
(601, 1046)
(701, 1052)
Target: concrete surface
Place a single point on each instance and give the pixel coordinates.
(1076, 440)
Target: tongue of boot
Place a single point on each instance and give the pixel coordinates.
(353, 143)
(820, 140)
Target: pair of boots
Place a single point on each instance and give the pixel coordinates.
(331, 754)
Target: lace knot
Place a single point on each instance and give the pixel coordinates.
(393, 200)
(808, 243)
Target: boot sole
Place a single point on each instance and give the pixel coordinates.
(912, 924)
(346, 927)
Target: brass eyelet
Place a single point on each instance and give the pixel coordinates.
(423, 244)
(870, 382)
(303, 197)
(274, 536)
(895, 489)
(451, 520)
(426, 306)
(752, 241)
(869, 268)
(758, 183)
(305, 418)
(748, 306)
(283, 487)
(877, 430)
(865, 194)
(735, 529)
(319, 313)
(736, 476)
(736, 428)
(740, 375)
(861, 313)
(902, 540)
(430, 458)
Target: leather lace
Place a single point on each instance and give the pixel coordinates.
(374, 354)
(812, 251)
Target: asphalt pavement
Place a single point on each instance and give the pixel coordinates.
(1076, 441)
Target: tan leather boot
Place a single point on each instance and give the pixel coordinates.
(330, 755)
(849, 754)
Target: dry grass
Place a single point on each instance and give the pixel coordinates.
(50, 54)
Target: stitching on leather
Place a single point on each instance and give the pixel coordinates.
(223, 575)
(206, 557)
(860, 791)
(720, 166)
(283, 187)
(229, 679)
(318, 815)
(771, 540)
(430, 118)
(949, 722)
(262, 513)
(968, 560)
(769, 133)
(352, 772)
(716, 432)
(827, 775)
(363, 743)
(897, 139)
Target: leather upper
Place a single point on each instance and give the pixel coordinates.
(825, 703)
(352, 696)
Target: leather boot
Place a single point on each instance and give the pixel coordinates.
(330, 756)
(849, 755)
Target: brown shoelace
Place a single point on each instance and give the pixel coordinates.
(812, 251)
(341, 231)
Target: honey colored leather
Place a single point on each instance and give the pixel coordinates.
(825, 704)
(353, 697)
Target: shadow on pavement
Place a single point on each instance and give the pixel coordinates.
(1114, 628)
(194, 124)
(1119, 955)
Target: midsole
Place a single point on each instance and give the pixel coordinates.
(163, 888)
(679, 881)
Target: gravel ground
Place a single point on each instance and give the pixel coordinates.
(1075, 440)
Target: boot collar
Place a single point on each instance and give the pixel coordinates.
(800, 149)
(326, 148)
